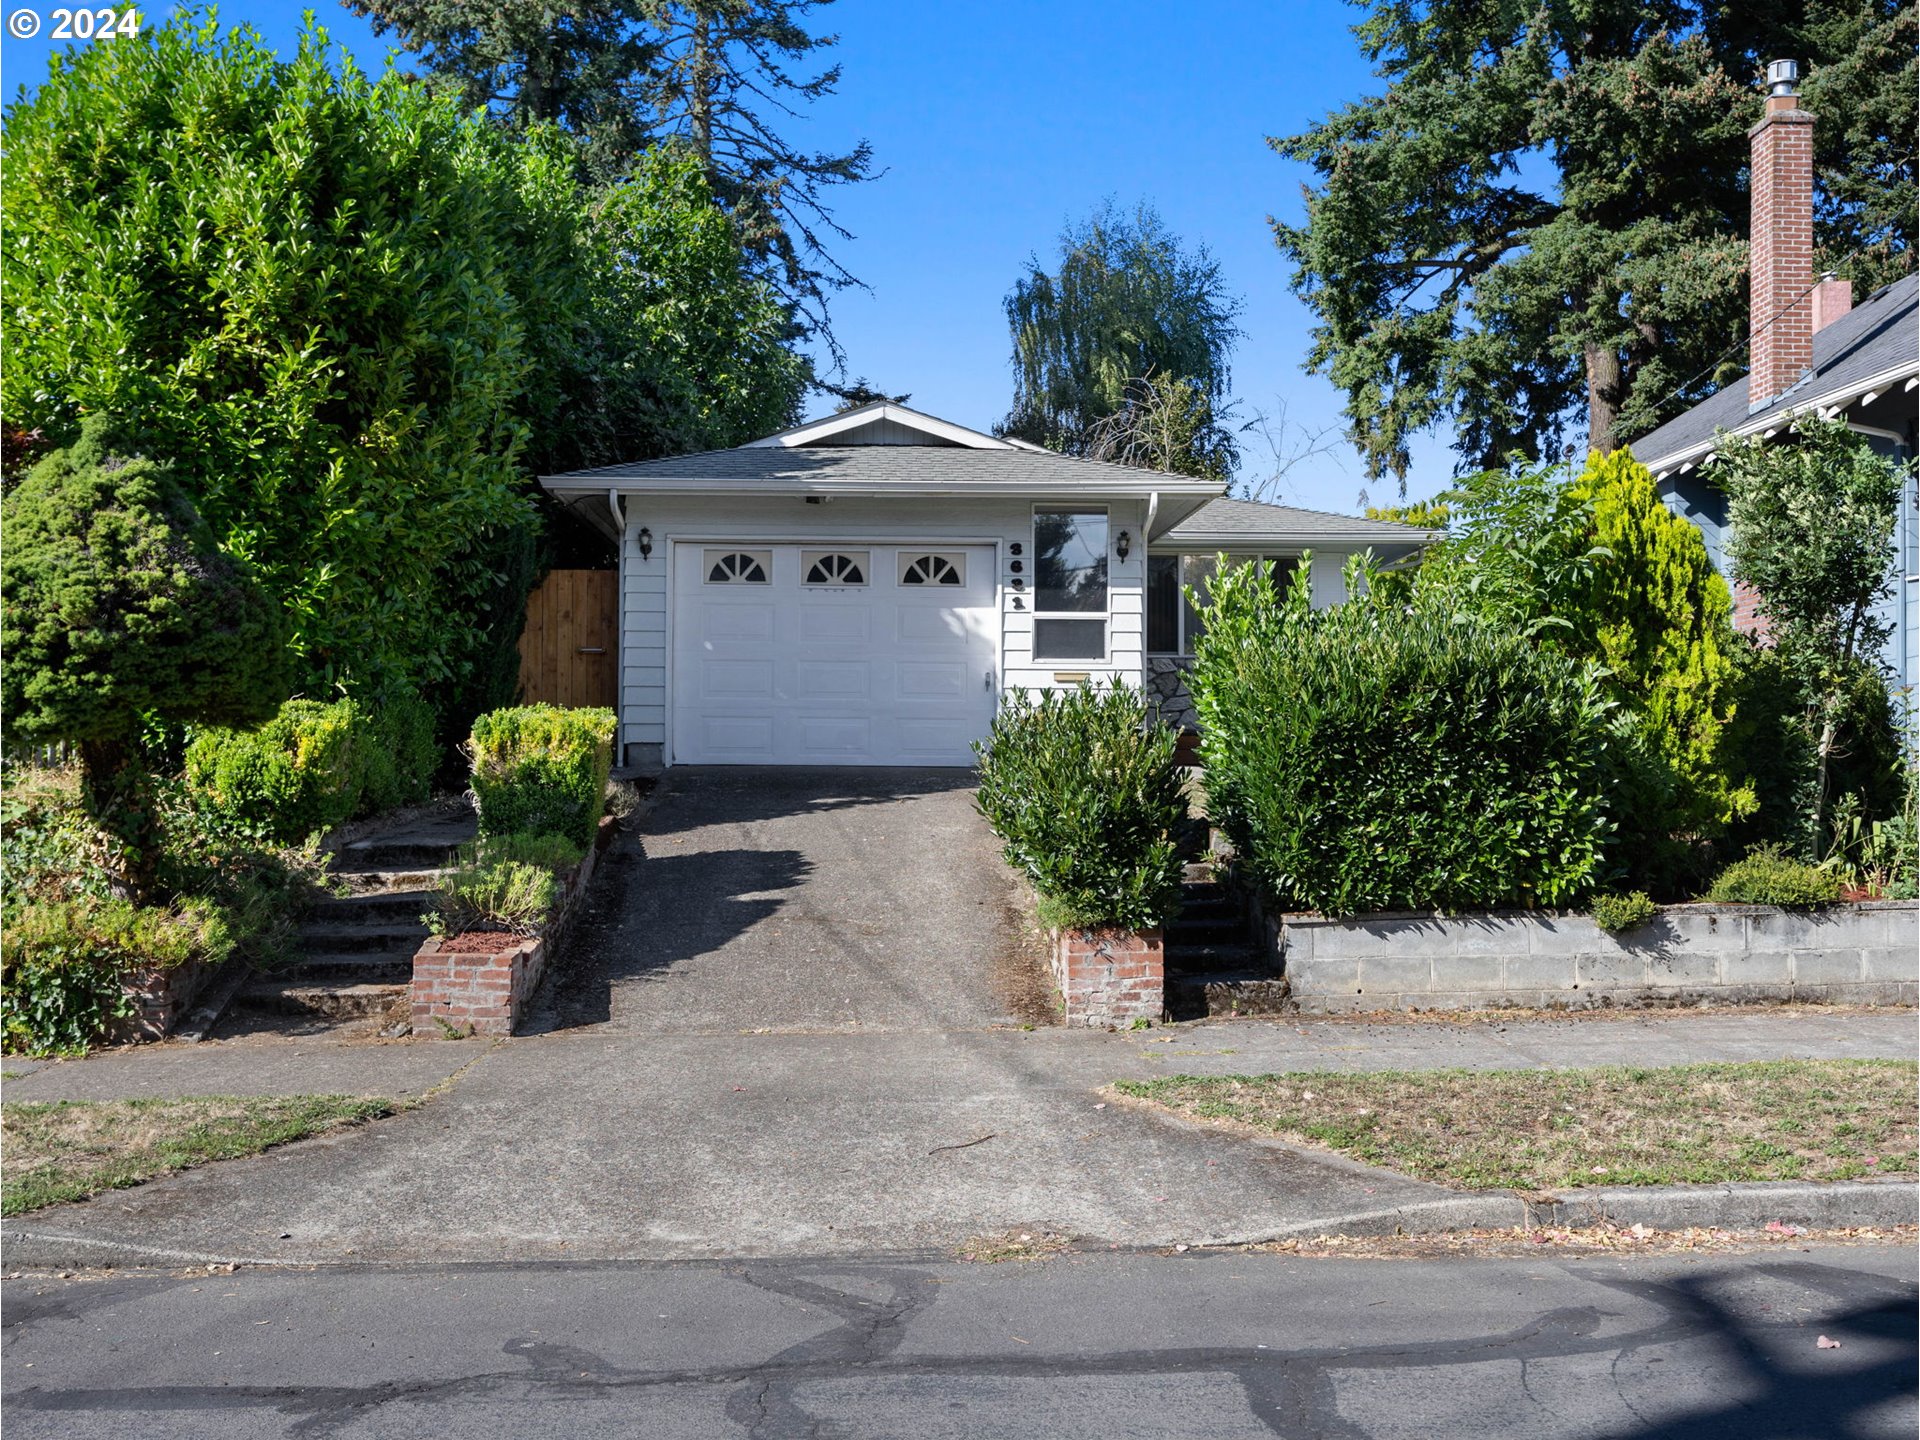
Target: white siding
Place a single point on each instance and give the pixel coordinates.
(999, 521)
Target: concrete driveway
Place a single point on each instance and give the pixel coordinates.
(796, 900)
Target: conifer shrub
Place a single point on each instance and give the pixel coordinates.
(542, 770)
(1769, 876)
(1374, 756)
(1087, 801)
(1618, 914)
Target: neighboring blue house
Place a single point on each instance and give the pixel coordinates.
(1811, 351)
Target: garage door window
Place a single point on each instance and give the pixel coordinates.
(739, 567)
(834, 567)
(1069, 585)
(943, 568)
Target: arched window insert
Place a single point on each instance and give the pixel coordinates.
(934, 569)
(835, 567)
(738, 567)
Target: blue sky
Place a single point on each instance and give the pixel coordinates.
(996, 125)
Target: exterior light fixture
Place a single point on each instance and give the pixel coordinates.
(1122, 544)
(646, 543)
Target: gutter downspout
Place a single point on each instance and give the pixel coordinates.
(1153, 512)
(619, 616)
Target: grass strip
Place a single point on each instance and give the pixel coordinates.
(1559, 1129)
(63, 1150)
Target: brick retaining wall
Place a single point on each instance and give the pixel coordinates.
(1109, 977)
(1866, 953)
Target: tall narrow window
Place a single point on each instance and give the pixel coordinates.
(1069, 585)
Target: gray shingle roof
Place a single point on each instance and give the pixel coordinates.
(1260, 521)
(858, 464)
(1867, 341)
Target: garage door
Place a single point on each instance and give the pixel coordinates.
(832, 655)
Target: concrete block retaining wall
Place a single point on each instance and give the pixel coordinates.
(1109, 977)
(1866, 953)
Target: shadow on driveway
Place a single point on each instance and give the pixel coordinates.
(785, 899)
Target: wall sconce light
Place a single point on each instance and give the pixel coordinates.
(646, 543)
(1123, 544)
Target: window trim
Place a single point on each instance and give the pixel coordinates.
(1185, 652)
(1103, 615)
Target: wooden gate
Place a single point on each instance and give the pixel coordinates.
(569, 649)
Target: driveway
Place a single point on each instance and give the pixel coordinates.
(796, 900)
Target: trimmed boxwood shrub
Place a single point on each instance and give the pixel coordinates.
(1087, 800)
(1768, 876)
(400, 754)
(299, 774)
(542, 770)
(1378, 757)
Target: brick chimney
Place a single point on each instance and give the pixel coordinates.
(1782, 321)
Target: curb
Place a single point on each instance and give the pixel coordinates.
(1839, 1205)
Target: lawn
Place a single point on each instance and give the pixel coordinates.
(1557, 1129)
(70, 1149)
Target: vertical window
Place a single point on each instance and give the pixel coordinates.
(1173, 624)
(1069, 585)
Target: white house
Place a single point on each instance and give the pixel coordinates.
(862, 589)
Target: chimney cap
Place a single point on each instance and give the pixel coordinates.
(1782, 76)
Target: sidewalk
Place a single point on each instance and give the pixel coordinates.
(584, 1144)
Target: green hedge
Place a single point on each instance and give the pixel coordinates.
(1372, 757)
(1086, 798)
(1768, 876)
(316, 765)
(542, 770)
(299, 774)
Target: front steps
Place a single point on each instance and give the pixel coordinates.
(1215, 963)
(357, 949)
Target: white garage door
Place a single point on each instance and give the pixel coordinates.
(832, 654)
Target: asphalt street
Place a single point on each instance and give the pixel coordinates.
(1216, 1344)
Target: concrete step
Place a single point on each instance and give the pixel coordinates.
(1228, 992)
(385, 882)
(1198, 872)
(352, 967)
(378, 907)
(322, 938)
(399, 852)
(1195, 959)
(1227, 928)
(305, 997)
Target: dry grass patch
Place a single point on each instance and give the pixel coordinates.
(1558, 1129)
(69, 1149)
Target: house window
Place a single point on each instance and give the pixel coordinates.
(1172, 623)
(943, 568)
(738, 567)
(1069, 585)
(834, 567)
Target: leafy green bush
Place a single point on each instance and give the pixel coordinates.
(542, 770)
(1770, 877)
(1374, 757)
(399, 751)
(299, 774)
(508, 896)
(1618, 914)
(67, 963)
(550, 852)
(1086, 798)
(50, 849)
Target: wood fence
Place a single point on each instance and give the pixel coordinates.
(568, 650)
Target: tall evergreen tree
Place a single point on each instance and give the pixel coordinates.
(1538, 226)
(720, 76)
(1130, 312)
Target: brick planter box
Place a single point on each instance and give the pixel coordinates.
(1109, 977)
(160, 997)
(488, 992)
(1866, 953)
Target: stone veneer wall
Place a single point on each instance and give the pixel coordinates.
(1110, 977)
(1866, 953)
(1167, 690)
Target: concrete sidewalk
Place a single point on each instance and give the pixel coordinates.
(594, 1144)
